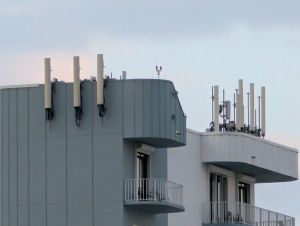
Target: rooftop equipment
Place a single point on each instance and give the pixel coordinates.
(227, 111)
(76, 90)
(100, 85)
(48, 90)
(224, 111)
(216, 109)
(158, 71)
(240, 107)
(259, 111)
(263, 111)
(252, 125)
(124, 75)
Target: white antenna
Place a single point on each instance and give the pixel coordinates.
(252, 125)
(237, 109)
(47, 89)
(158, 70)
(76, 82)
(241, 88)
(100, 85)
(48, 104)
(216, 108)
(263, 111)
(76, 90)
(248, 110)
(240, 107)
(259, 113)
(256, 119)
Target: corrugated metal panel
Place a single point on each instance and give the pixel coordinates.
(155, 108)
(1, 156)
(152, 113)
(55, 173)
(22, 162)
(138, 110)
(147, 113)
(5, 172)
(162, 108)
(168, 116)
(128, 107)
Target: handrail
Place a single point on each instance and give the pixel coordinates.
(235, 212)
(152, 189)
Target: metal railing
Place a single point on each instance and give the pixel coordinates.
(149, 189)
(226, 212)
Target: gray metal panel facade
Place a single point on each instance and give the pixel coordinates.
(55, 173)
(152, 113)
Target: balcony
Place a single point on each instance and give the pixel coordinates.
(264, 160)
(218, 213)
(153, 195)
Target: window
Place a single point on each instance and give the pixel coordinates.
(244, 198)
(142, 175)
(218, 187)
(142, 165)
(244, 192)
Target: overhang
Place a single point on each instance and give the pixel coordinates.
(155, 206)
(264, 160)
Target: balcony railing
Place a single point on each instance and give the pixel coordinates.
(155, 190)
(226, 212)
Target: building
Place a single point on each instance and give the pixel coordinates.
(219, 172)
(220, 167)
(117, 152)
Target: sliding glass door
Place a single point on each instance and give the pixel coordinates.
(218, 186)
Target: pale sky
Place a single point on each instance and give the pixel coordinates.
(198, 43)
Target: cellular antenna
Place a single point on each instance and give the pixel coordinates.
(158, 70)
(255, 123)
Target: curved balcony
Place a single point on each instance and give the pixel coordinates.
(264, 160)
(153, 195)
(152, 113)
(219, 213)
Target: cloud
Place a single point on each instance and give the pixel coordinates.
(67, 25)
(13, 9)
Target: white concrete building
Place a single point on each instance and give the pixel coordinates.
(219, 170)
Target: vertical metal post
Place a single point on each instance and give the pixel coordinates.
(234, 107)
(248, 100)
(260, 217)
(223, 106)
(259, 112)
(244, 212)
(154, 190)
(255, 121)
(216, 109)
(212, 103)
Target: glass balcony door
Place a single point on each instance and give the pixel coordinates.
(142, 173)
(218, 197)
(244, 200)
